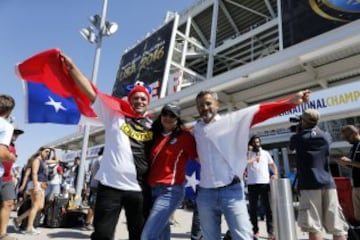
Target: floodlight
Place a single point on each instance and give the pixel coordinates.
(89, 34)
(110, 28)
(95, 20)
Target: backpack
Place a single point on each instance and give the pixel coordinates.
(74, 218)
(55, 212)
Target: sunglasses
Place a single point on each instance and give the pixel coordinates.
(168, 114)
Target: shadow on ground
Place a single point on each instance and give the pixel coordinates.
(62, 234)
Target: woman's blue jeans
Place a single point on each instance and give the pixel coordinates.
(166, 199)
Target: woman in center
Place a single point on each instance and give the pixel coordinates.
(173, 145)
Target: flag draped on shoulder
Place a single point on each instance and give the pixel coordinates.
(192, 175)
(55, 90)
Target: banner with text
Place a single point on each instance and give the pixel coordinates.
(330, 101)
(145, 62)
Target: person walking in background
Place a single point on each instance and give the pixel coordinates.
(75, 172)
(124, 168)
(36, 187)
(222, 144)
(7, 158)
(55, 172)
(319, 206)
(258, 181)
(172, 147)
(93, 184)
(351, 134)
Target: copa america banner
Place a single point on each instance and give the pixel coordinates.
(145, 62)
(334, 101)
(304, 19)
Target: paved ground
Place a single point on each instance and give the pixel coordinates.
(181, 230)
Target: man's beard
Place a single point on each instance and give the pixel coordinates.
(208, 117)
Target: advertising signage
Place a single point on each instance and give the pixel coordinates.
(145, 62)
(304, 19)
(332, 101)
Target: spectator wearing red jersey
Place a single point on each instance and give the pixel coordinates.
(172, 147)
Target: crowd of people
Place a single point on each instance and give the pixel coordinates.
(125, 173)
(142, 168)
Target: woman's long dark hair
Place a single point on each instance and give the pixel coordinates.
(35, 155)
(157, 128)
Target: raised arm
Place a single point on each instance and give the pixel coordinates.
(54, 159)
(79, 78)
(271, 109)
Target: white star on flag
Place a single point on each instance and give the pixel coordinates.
(191, 181)
(57, 105)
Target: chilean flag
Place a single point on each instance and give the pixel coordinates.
(51, 91)
(192, 175)
(44, 106)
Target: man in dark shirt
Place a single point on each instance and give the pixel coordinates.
(319, 206)
(351, 134)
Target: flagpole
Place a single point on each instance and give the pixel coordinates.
(102, 31)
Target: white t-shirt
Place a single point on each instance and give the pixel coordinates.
(57, 178)
(258, 172)
(6, 131)
(117, 169)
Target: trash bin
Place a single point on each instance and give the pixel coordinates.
(344, 192)
(282, 209)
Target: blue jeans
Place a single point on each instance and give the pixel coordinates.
(166, 199)
(196, 233)
(230, 201)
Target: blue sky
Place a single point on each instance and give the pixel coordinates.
(29, 27)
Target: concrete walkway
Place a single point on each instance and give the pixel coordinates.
(180, 231)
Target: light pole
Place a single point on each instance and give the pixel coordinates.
(104, 28)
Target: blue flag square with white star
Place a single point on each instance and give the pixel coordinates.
(43, 106)
(192, 175)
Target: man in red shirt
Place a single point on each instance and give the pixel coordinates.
(7, 191)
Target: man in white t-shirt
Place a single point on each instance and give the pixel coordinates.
(260, 163)
(7, 104)
(124, 167)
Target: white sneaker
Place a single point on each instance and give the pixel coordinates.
(32, 231)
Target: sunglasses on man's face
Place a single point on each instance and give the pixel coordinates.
(168, 114)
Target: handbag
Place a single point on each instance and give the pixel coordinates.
(43, 185)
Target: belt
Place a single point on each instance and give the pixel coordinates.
(234, 181)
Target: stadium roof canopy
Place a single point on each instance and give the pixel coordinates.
(247, 63)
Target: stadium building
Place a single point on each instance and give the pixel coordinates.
(250, 52)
